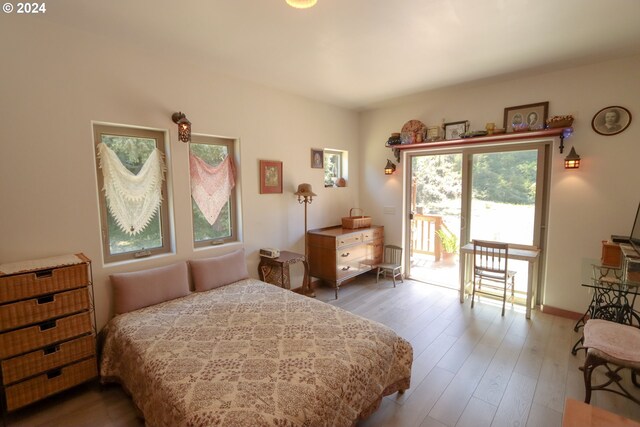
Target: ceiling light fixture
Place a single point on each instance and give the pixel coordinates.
(301, 4)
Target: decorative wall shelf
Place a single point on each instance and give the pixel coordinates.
(562, 133)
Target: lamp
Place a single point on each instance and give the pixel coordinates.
(301, 4)
(572, 161)
(305, 195)
(184, 126)
(390, 168)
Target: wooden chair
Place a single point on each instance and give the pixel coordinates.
(615, 347)
(392, 263)
(490, 268)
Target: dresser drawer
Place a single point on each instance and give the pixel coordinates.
(42, 308)
(23, 286)
(373, 234)
(348, 239)
(346, 255)
(48, 358)
(49, 383)
(46, 333)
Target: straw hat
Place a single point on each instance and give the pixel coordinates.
(304, 190)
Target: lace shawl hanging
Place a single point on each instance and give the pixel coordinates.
(211, 185)
(132, 199)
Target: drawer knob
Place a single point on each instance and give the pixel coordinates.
(346, 268)
(346, 254)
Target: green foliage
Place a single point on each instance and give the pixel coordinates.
(332, 168)
(449, 240)
(506, 177)
(437, 178)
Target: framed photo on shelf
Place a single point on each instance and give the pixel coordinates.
(526, 117)
(455, 130)
(317, 159)
(270, 176)
(611, 120)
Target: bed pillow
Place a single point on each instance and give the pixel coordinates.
(211, 273)
(139, 289)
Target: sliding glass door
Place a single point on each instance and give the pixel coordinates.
(488, 193)
(436, 196)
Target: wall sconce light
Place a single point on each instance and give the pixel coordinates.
(301, 4)
(390, 168)
(184, 126)
(572, 161)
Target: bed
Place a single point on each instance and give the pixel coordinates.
(248, 353)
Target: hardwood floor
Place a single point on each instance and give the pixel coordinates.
(471, 367)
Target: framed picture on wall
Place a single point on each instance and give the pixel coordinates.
(317, 158)
(611, 120)
(270, 176)
(526, 117)
(455, 130)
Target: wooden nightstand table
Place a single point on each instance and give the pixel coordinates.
(276, 270)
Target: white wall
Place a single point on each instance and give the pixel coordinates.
(56, 81)
(586, 206)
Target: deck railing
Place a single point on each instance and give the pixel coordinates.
(425, 236)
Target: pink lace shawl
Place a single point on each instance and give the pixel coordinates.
(211, 185)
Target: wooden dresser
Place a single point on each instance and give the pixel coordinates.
(337, 254)
(47, 328)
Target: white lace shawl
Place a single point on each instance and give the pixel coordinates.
(132, 199)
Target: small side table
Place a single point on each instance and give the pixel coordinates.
(276, 271)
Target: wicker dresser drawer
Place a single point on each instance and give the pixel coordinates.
(48, 358)
(21, 286)
(51, 382)
(36, 310)
(41, 335)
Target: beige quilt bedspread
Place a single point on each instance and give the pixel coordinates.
(252, 354)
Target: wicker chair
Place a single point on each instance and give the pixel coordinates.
(392, 263)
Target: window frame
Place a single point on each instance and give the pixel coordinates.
(165, 220)
(234, 208)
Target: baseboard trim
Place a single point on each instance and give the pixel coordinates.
(560, 312)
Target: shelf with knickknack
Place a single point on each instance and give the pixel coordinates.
(416, 136)
(562, 133)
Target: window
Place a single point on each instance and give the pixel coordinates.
(335, 167)
(213, 195)
(130, 166)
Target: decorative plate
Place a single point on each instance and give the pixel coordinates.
(413, 131)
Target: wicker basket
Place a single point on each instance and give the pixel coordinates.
(356, 221)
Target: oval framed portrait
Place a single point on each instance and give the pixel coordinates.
(611, 120)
